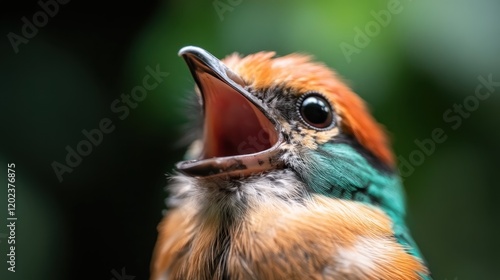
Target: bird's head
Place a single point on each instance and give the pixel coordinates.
(268, 115)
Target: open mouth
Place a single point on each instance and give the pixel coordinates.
(240, 137)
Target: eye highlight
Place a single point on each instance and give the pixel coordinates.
(315, 111)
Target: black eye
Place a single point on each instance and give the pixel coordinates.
(316, 111)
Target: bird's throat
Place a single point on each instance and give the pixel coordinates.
(233, 126)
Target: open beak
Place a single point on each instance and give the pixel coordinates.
(240, 137)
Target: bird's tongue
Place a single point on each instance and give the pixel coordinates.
(233, 125)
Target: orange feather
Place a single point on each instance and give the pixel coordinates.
(327, 238)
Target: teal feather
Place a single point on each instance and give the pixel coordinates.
(339, 170)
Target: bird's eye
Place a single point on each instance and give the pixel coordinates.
(316, 111)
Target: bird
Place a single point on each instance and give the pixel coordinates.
(289, 177)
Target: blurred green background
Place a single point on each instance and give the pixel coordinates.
(102, 217)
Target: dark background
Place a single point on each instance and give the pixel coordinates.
(102, 217)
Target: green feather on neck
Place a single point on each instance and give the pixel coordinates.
(339, 170)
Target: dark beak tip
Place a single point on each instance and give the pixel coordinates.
(189, 50)
(198, 58)
(197, 53)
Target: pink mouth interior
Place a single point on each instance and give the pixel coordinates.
(233, 125)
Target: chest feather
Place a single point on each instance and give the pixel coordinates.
(323, 238)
